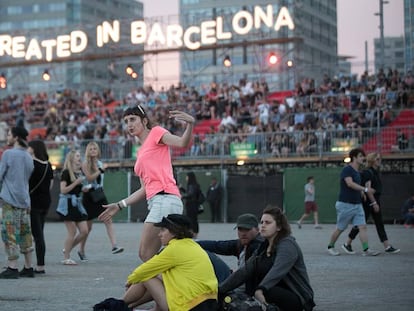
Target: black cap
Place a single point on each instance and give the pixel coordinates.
(177, 220)
(247, 221)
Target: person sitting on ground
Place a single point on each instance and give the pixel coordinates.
(188, 281)
(276, 274)
(248, 240)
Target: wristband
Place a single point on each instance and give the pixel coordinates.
(119, 206)
(373, 203)
(123, 202)
(365, 189)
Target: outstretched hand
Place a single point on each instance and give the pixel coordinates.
(110, 210)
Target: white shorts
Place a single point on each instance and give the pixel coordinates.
(161, 205)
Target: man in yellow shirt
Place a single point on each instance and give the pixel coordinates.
(188, 280)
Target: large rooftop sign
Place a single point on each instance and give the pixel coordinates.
(209, 32)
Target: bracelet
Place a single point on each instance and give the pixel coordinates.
(365, 189)
(119, 206)
(373, 203)
(123, 202)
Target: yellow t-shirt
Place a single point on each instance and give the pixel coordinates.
(187, 272)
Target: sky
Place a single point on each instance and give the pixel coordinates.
(356, 24)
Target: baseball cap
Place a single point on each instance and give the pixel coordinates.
(177, 220)
(247, 221)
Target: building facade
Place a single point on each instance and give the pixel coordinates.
(36, 29)
(307, 50)
(393, 54)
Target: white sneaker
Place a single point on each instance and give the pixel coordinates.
(318, 227)
(370, 252)
(332, 251)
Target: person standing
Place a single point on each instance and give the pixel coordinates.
(94, 170)
(73, 214)
(213, 197)
(310, 203)
(371, 203)
(16, 166)
(191, 201)
(348, 207)
(40, 184)
(407, 211)
(154, 167)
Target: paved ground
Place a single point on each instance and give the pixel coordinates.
(346, 282)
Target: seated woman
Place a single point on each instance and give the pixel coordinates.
(188, 281)
(276, 274)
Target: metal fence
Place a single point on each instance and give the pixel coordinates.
(281, 144)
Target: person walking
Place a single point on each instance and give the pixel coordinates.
(276, 274)
(40, 184)
(154, 167)
(192, 204)
(348, 207)
(214, 196)
(16, 166)
(370, 177)
(94, 170)
(310, 204)
(70, 206)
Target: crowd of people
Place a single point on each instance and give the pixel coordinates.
(271, 267)
(336, 107)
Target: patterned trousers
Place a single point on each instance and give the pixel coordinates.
(15, 231)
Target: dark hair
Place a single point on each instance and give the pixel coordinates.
(281, 222)
(354, 153)
(39, 149)
(309, 178)
(192, 180)
(21, 133)
(138, 111)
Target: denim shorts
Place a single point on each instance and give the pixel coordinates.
(162, 205)
(348, 213)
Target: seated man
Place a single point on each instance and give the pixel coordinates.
(179, 277)
(243, 247)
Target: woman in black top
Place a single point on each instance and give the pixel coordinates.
(276, 274)
(75, 218)
(40, 183)
(191, 200)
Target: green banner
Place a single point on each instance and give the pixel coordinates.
(242, 149)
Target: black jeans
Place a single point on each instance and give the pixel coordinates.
(377, 218)
(37, 222)
(206, 305)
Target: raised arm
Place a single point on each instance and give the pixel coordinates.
(180, 141)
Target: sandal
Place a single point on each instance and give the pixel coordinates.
(69, 262)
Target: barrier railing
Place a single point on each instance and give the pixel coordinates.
(269, 145)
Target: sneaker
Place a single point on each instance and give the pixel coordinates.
(9, 273)
(69, 262)
(318, 227)
(332, 251)
(26, 272)
(370, 252)
(82, 257)
(392, 250)
(40, 271)
(348, 249)
(117, 250)
(299, 225)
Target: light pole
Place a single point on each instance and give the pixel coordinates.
(381, 27)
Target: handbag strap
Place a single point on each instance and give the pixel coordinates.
(41, 180)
